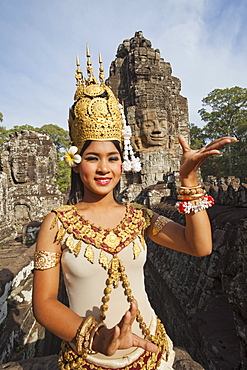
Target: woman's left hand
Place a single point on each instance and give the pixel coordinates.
(108, 341)
(193, 159)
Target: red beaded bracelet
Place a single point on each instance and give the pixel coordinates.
(187, 206)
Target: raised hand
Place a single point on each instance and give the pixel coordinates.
(193, 159)
(108, 341)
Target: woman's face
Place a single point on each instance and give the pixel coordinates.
(100, 168)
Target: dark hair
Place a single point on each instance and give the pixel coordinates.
(77, 188)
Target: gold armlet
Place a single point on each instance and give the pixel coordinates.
(45, 260)
(160, 222)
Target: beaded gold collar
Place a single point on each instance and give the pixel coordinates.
(75, 226)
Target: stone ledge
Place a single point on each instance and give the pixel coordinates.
(16, 318)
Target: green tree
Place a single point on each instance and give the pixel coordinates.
(228, 112)
(61, 139)
(197, 137)
(17, 128)
(59, 136)
(226, 115)
(63, 176)
(1, 117)
(3, 135)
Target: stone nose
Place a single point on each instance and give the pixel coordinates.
(157, 128)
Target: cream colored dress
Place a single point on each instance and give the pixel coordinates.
(87, 254)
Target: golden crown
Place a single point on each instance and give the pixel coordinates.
(95, 114)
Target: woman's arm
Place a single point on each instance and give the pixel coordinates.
(195, 238)
(49, 312)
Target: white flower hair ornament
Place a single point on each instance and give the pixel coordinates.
(71, 158)
(130, 162)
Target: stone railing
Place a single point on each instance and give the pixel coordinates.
(225, 191)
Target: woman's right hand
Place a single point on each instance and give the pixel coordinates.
(108, 341)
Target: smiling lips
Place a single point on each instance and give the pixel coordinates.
(103, 180)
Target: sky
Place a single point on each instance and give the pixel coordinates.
(204, 40)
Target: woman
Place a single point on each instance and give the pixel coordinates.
(100, 244)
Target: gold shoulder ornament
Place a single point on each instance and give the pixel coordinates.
(160, 222)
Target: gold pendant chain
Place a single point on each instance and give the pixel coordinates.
(116, 273)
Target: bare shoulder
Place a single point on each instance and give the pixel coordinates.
(47, 235)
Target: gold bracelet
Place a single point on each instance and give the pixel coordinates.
(191, 197)
(83, 335)
(192, 190)
(190, 187)
(92, 334)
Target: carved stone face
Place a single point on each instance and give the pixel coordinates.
(19, 169)
(153, 129)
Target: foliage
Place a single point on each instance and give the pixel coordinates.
(22, 127)
(1, 117)
(59, 136)
(3, 135)
(228, 112)
(63, 176)
(197, 137)
(226, 115)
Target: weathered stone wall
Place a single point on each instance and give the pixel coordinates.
(29, 157)
(27, 181)
(202, 301)
(7, 230)
(27, 193)
(21, 337)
